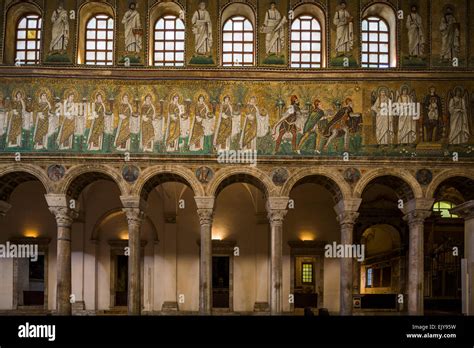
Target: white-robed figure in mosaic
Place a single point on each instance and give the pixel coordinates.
(148, 115)
(344, 29)
(202, 30)
(68, 125)
(458, 102)
(159, 126)
(407, 120)
(3, 116)
(122, 138)
(196, 140)
(450, 35)
(60, 31)
(274, 30)
(133, 29)
(383, 119)
(173, 127)
(19, 119)
(43, 113)
(416, 37)
(95, 139)
(228, 125)
(248, 139)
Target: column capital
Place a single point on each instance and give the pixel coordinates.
(417, 210)
(136, 202)
(59, 207)
(465, 210)
(346, 210)
(205, 202)
(205, 216)
(277, 209)
(4, 208)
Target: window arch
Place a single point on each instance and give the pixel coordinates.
(378, 37)
(96, 34)
(238, 42)
(238, 35)
(99, 42)
(306, 42)
(23, 33)
(375, 43)
(307, 39)
(28, 39)
(168, 41)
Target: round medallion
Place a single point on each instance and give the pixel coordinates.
(352, 175)
(280, 176)
(56, 172)
(130, 173)
(204, 174)
(424, 176)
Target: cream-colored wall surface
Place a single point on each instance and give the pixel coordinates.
(6, 285)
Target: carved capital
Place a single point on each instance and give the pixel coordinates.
(64, 216)
(205, 216)
(134, 216)
(347, 218)
(465, 210)
(4, 208)
(416, 218)
(276, 216)
(206, 202)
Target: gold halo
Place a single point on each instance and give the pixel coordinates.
(201, 92)
(172, 94)
(46, 91)
(18, 90)
(96, 93)
(126, 93)
(149, 92)
(72, 91)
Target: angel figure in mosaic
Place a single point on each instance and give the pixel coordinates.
(408, 116)
(384, 130)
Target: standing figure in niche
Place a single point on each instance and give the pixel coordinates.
(60, 31)
(450, 35)
(274, 30)
(202, 30)
(122, 139)
(97, 130)
(43, 113)
(133, 29)
(416, 38)
(344, 30)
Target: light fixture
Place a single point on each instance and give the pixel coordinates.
(307, 236)
(123, 235)
(31, 233)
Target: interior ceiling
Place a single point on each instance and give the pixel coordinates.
(160, 179)
(463, 188)
(388, 185)
(325, 182)
(82, 181)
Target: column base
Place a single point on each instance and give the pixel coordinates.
(169, 306)
(261, 307)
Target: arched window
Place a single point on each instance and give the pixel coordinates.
(99, 43)
(169, 42)
(443, 208)
(306, 42)
(28, 39)
(238, 42)
(375, 43)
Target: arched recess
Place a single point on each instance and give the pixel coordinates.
(79, 177)
(388, 13)
(14, 13)
(253, 176)
(401, 180)
(331, 180)
(314, 10)
(152, 177)
(13, 176)
(458, 178)
(86, 12)
(157, 11)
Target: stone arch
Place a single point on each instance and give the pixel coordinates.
(79, 177)
(446, 175)
(249, 175)
(410, 188)
(13, 175)
(332, 180)
(154, 176)
(95, 235)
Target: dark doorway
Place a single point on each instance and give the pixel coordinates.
(220, 281)
(33, 285)
(121, 281)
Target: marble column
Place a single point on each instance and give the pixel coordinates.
(466, 211)
(277, 209)
(347, 215)
(205, 210)
(417, 210)
(134, 208)
(59, 207)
